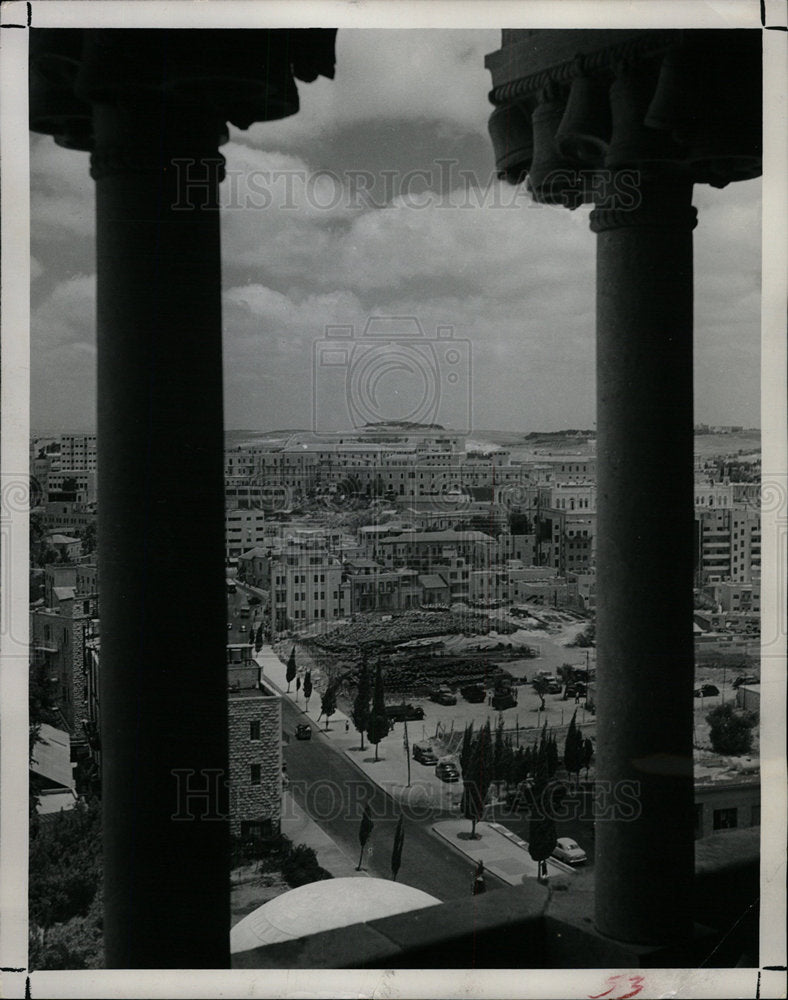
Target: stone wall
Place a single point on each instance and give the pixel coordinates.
(248, 802)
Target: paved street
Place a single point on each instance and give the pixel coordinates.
(333, 792)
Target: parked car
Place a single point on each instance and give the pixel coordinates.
(706, 691)
(553, 686)
(574, 689)
(303, 731)
(396, 713)
(473, 692)
(443, 696)
(569, 851)
(424, 754)
(447, 771)
(745, 679)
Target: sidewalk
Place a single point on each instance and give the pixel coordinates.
(503, 853)
(302, 829)
(390, 771)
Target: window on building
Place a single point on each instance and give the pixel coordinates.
(254, 730)
(725, 819)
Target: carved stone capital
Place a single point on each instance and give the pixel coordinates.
(646, 216)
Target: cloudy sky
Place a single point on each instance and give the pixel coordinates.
(360, 207)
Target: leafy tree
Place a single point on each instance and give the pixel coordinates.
(65, 864)
(520, 524)
(89, 538)
(731, 730)
(291, 669)
(540, 687)
(360, 712)
(74, 944)
(378, 722)
(476, 782)
(307, 689)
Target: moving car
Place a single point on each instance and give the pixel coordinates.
(303, 731)
(745, 679)
(473, 692)
(569, 851)
(424, 754)
(706, 691)
(447, 771)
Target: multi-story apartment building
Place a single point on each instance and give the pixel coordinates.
(427, 550)
(372, 588)
(307, 586)
(69, 518)
(243, 530)
(255, 745)
(78, 452)
(728, 545)
(573, 536)
(573, 496)
(58, 640)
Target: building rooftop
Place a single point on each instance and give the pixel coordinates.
(433, 581)
(441, 536)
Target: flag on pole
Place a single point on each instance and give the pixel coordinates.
(396, 853)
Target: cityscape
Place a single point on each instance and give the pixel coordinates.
(467, 575)
(397, 492)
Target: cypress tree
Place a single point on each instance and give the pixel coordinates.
(572, 761)
(291, 669)
(476, 783)
(360, 713)
(378, 723)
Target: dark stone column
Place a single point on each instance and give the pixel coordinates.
(161, 514)
(644, 830)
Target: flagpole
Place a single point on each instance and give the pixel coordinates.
(407, 747)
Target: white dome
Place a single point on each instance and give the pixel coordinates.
(321, 906)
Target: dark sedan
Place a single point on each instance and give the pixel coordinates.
(447, 771)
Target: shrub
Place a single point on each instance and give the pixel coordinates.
(300, 866)
(731, 730)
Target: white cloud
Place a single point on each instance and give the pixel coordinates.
(395, 75)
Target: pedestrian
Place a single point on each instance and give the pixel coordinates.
(347, 726)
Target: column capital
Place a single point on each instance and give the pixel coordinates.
(227, 75)
(683, 103)
(661, 215)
